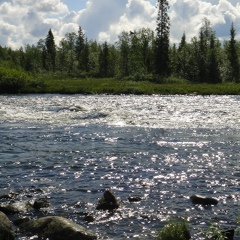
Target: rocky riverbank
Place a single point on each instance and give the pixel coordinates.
(58, 227)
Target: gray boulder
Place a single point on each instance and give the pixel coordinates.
(198, 199)
(6, 230)
(56, 228)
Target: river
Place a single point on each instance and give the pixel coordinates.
(70, 148)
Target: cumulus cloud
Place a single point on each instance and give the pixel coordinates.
(26, 21)
(138, 14)
(187, 16)
(99, 15)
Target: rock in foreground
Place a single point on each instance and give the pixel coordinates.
(197, 199)
(6, 231)
(56, 228)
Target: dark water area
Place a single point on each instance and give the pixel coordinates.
(72, 164)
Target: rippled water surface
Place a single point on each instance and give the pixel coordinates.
(161, 148)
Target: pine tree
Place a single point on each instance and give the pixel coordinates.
(85, 58)
(214, 66)
(183, 58)
(208, 64)
(202, 57)
(124, 54)
(162, 39)
(232, 54)
(71, 39)
(51, 51)
(79, 48)
(104, 60)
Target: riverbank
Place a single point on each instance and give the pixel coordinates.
(113, 86)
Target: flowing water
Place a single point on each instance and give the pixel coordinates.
(70, 148)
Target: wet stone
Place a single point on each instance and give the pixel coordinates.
(89, 218)
(56, 228)
(20, 221)
(134, 199)
(10, 195)
(108, 201)
(229, 234)
(6, 230)
(16, 207)
(41, 203)
(198, 199)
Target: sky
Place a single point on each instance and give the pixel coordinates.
(27, 21)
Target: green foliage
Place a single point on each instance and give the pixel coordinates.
(12, 80)
(174, 230)
(214, 233)
(138, 55)
(49, 52)
(233, 57)
(162, 39)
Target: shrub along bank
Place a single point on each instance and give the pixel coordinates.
(114, 86)
(13, 80)
(18, 81)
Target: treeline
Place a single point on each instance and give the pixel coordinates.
(135, 56)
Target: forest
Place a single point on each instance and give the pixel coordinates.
(138, 55)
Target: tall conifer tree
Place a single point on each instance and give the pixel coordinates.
(162, 39)
(232, 54)
(50, 50)
(80, 44)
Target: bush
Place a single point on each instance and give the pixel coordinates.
(12, 80)
(215, 233)
(174, 230)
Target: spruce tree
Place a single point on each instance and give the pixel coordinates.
(232, 54)
(79, 48)
(51, 51)
(183, 58)
(104, 60)
(162, 39)
(214, 65)
(124, 54)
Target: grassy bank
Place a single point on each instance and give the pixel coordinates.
(113, 86)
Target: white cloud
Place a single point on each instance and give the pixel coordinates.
(115, 17)
(99, 15)
(187, 16)
(26, 21)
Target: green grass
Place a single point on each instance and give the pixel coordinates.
(50, 84)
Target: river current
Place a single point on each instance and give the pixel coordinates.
(70, 148)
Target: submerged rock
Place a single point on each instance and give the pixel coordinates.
(56, 228)
(76, 109)
(6, 230)
(134, 199)
(13, 208)
(108, 201)
(229, 234)
(41, 203)
(10, 195)
(89, 218)
(19, 221)
(198, 199)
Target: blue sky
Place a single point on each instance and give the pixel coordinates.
(26, 21)
(76, 5)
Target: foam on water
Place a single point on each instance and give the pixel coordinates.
(145, 111)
